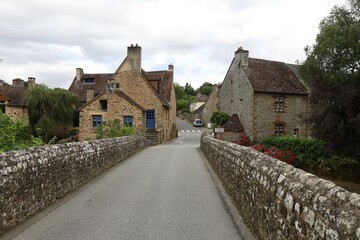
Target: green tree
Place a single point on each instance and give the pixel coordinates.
(189, 90)
(206, 88)
(179, 91)
(219, 118)
(332, 70)
(50, 108)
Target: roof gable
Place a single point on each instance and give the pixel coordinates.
(274, 77)
(233, 124)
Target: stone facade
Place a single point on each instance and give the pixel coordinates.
(250, 89)
(34, 178)
(278, 201)
(210, 105)
(144, 91)
(17, 112)
(118, 107)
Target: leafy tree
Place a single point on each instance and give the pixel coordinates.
(179, 91)
(332, 70)
(189, 90)
(219, 118)
(50, 108)
(206, 88)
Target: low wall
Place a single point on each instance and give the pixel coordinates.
(32, 179)
(278, 201)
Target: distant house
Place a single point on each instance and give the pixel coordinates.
(12, 97)
(211, 105)
(198, 102)
(268, 97)
(145, 100)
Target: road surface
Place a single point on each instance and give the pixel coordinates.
(162, 192)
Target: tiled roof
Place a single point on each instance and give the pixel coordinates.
(272, 76)
(15, 94)
(100, 81)
(233, 124)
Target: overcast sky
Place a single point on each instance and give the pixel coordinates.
(48, 39)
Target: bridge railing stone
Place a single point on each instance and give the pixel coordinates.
(278, 201)
(33, 179)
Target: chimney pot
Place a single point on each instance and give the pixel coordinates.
(31, 82)
(18, 82)
(171, 67)
(242, 57)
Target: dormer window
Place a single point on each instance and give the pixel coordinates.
(88, 80)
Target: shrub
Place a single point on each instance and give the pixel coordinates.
(219, 118)
(113, 129)
(244, 141)
(306, 149)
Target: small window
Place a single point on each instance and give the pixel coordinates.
(128, 121)
(103, 105)
(96, 120)
(279, 103)
(279, 129)
(2, 107)
(88, 80)
(296, 132)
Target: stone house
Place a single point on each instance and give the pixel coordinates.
(198, 102)
(145, 100)
(268, 97)
(233, 129)
(12, 97)
(210, 105)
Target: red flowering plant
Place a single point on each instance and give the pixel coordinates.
(259, 147)
(282, 155)
(244, 141)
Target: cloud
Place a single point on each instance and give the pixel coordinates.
(49, 39)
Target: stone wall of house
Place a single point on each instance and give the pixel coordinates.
(32, 179)
(16, 112)
(278, 201)
(117, 108)
(236, 97)
(210, 105)
(293, 116)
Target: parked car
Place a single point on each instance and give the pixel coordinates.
(197, 123)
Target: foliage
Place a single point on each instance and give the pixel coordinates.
(219, 118)
(244, 141)
(332, 71)
(184, 96)
(189, 90)
(306, 149)
(50, 108)
(205, 89)
(113, 129)
(16, 135)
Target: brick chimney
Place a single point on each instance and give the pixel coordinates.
(171, 67)
(89, 94)
(79, 73)
(242, 57)
(31, 82)
(134, 57)
(18, 82)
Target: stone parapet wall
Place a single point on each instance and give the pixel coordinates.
(278, 201)
(32, 179)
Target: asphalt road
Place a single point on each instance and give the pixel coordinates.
(162, 192)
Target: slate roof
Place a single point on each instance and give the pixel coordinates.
(233, 124)
(201, 98)
(14, 94)
(274, 77)
(100, 82)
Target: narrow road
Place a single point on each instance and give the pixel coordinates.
(162, 192)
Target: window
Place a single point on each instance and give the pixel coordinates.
(279, 103)
(88, 80)
(2, 107)
(103, 105)
(279, 129)
(296, 132)
(96, 120)
(128, 121)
